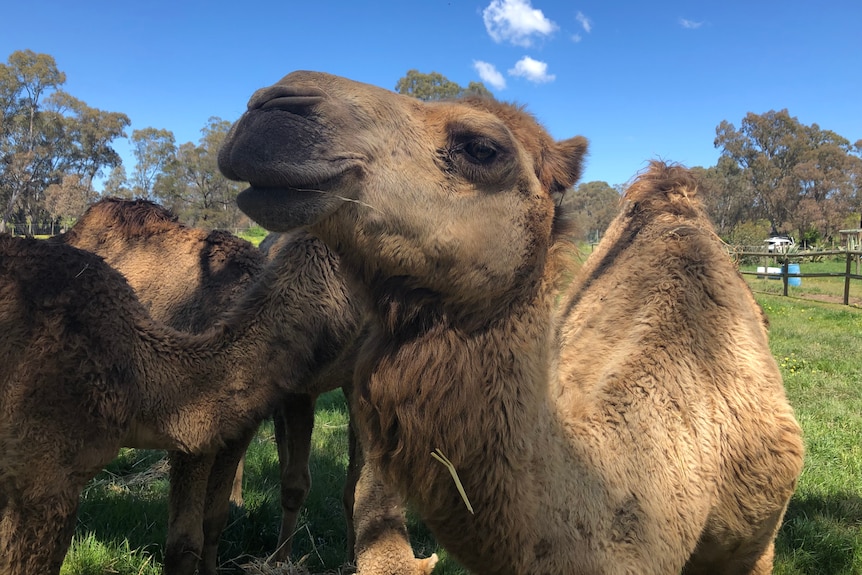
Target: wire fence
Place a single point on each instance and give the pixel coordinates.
(54, 228)
(34, 229)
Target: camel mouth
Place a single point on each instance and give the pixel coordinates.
(284, 147)
(281, 209)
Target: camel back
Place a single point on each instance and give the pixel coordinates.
(184, 276)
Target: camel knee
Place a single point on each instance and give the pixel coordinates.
(294, 490)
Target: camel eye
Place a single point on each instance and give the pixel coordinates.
(482, 156)
(480, 151)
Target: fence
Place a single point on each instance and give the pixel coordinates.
(788, 259)
(33, 229)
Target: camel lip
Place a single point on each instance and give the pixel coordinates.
(293, 104)
(281, 209)
(325, 176)
(283, 196)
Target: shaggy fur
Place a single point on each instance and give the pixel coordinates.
(86, 371)
(639, 427)
(183, 276)
(186, 277)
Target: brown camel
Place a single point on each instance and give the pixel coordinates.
(639, 427)
(186, 278)
(86, 371)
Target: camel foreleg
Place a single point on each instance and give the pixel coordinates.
(221, 488)
(382, 542)
(36, 531)
(294, 422)
(188, 486)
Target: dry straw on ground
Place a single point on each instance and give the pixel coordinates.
(267, 567)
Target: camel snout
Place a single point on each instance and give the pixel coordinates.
(295, 99)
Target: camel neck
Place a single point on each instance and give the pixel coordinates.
(292, 321)
(480, 397)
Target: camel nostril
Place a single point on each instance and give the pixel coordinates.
(295, 104)
(292, 99)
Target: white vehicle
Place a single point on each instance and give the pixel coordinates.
(779, 244)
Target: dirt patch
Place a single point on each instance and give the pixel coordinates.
(853, 301)
(821, 297)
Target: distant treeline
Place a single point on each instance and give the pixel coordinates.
(774, 174)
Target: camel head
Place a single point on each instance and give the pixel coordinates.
(454, 196)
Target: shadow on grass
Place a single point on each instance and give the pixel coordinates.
(820, 535)
(320, 540)
(128, 503)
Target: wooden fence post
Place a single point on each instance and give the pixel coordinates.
(847, 279)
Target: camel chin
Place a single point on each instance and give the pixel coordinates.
(283, 209)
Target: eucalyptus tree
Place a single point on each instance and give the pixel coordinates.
(192, 186)
(436, 86)
(800, 176)
(47, 134)
(727, 195)
(154, 150)
(591, 206)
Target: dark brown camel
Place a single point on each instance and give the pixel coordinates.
(640, 427)
(186, 278)
(86, 371)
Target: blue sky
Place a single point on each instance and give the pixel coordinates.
(641, 80)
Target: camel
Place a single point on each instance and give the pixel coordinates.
(86, 371)
(633, 422)
(186, 278)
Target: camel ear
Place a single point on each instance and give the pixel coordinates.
(562, 164)
(573, 151)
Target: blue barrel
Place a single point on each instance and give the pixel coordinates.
(793, 269)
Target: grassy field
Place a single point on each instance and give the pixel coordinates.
(121, 525)
(254, 234)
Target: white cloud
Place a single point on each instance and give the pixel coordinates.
(585, 22)
(516, 21)
(533, 70)
(690, 24)
(489, 74)
(576, 38)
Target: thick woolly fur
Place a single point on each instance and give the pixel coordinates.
(186, 278)
(634, 424)
(86, 370)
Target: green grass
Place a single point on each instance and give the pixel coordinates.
(253, 234)
(123, 515)
(819, 350)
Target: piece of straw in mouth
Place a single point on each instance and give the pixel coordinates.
(438, 455)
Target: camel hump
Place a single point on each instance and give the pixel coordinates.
(130, 218)
(221, 245)
(665, 188)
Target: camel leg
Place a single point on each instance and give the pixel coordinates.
(354, 467)
(294, 422)
(222, 479)
(189, 475)
(752, 557)
(236, 490)
(764, 563)
(35, 532)
(382, 542)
